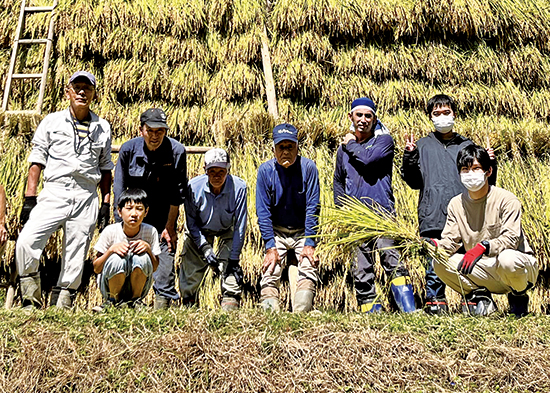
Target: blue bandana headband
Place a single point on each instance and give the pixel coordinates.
(358, 107)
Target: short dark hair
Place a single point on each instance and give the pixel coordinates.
(440, 100)
(469, 154)
(136, 195)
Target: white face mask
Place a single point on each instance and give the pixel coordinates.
(444, 123)
(473, 181)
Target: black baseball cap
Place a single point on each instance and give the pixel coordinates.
(154, 118)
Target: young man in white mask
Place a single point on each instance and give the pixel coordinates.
(429, 166)
(486, 221)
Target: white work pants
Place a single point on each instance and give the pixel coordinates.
(73, 209)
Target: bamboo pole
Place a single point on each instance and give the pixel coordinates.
(188, 149)
(268, 75)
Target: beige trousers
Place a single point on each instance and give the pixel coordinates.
(286, 240)
(510, 270)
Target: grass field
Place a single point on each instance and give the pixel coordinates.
(249, 351)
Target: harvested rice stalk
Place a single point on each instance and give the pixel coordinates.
(355, 223)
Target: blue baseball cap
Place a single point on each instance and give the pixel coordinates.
(285, 132)
(83, 74)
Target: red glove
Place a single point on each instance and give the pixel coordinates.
(471, 257)
(429, 241)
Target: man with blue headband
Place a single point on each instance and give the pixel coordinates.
(364, 165)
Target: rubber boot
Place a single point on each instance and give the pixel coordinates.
(270, 299)
(31, 291)
(161, 302)
(230, 303)
(371, 307)
(519, 304)
(403, 294)
(65, 299)
(303, 300)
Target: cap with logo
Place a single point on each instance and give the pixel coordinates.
(154, 118)
(83, 74)
(285, 132)
(216, 158)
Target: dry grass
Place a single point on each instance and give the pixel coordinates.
(252, 352)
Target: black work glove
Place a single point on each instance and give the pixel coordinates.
(210, 257)
(28, 205)
(234, 268)
(427, 241)
(104, 216)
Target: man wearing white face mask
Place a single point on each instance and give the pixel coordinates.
(429, 165)
(486, 221)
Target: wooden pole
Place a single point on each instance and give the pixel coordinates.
(268, 75)
(188, 149)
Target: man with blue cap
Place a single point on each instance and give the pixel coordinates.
(364, 165)
(73, 148)
(287, 205)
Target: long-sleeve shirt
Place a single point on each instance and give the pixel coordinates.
(162, 174)
(495, 218)
(67, 160)
(364, 171)
(210, 214)
(431, 168)
(287, 197)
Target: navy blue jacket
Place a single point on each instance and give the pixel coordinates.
(431, 168)
(364, 171)
(272, 199)
(162, 174)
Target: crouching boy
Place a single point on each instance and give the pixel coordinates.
(127, 254)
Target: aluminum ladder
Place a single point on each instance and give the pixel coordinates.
(18, 41)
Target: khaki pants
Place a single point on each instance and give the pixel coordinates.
(193, 267)
(286, 240)
(510, 270)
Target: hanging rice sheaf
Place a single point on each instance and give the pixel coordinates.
(201, 61)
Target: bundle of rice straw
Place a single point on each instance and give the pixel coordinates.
(353, 223)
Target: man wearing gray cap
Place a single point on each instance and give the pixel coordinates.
(156, 164)
(73, 148)
(287, 205)
(216, 208)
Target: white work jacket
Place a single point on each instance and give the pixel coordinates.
(68, 161)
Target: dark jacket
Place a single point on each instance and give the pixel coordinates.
(431, 168)
(162, 174)
(364, 171)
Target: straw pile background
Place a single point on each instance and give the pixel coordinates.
(200, 61)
